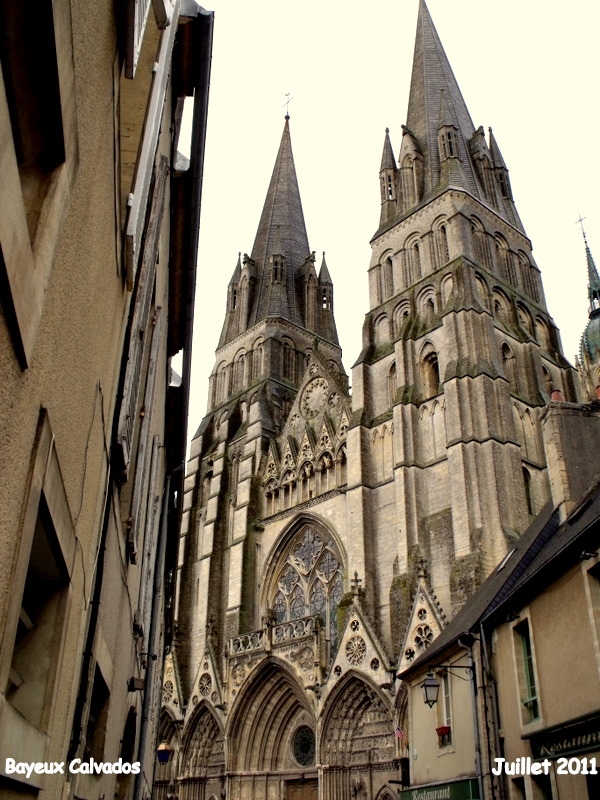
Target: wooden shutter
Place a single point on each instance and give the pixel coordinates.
(141, 320)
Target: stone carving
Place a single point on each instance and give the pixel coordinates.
(356, 649)
(314, 397)
(306, 658)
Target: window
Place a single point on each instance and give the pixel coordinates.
(310, 582)
(96, 726)
(31, 654)
(30, 70)
(39, 131)
(430, 372)
(527, 483)
(392, 384)
(526, 671)
(41, 619)
(444, 729)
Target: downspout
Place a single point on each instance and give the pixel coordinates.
(495, 722)
(84, 680)
(158, 596)
(476, 732)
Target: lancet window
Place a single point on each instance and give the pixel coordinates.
(310, 581)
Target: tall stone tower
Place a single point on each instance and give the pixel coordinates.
(328, 537)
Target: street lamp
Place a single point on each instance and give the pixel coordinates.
(431, 686)
(163, 752)
(431, 689)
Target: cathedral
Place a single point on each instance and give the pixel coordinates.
(328, 534)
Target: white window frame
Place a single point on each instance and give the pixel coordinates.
(138, 198)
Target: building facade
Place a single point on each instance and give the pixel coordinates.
(98, 245)
(327, 537)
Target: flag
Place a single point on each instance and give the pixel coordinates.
(399, 733)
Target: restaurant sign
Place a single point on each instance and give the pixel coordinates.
(569, 739)
(458, 790)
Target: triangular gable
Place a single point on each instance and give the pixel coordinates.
(360, 650)
(171, 687)
(273, 463)
(307, 445)
(207, 684)
(288, 458)
(426, 621)
(319, 392)
(326, 436)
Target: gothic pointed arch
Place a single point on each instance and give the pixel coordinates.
(203, 754)
(265, 720)
(354, 703)
(305, 575)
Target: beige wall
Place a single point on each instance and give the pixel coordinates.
(431, 760)
(62, 335)
(563, 623)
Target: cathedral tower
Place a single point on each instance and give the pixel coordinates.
(327, 537)
(459, 350)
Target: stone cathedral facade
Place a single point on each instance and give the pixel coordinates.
(329, 535)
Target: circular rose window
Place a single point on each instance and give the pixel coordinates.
(303, 746)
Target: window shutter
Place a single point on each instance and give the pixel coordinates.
(143, 172)
(137, 16)
(138, 512)
(140, 321)
(163, 11)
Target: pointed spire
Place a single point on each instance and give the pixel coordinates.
(237, 272)
(593, 277)
(387, 157)
(324, 276)
(495, 151)
(590, 341)
(431, 76)
(281, 225)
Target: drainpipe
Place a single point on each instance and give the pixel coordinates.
(494, 705)
(158, 596)
(476, 732)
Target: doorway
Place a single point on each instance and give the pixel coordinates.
(302, 790)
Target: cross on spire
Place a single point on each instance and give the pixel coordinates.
(580, 222)
(289, 99)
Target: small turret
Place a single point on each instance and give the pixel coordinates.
(388, 180)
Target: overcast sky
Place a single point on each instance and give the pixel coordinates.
(527, 68)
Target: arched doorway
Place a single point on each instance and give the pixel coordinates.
(203, 760)
(357, 740)
(271, 739)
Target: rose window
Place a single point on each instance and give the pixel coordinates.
(204, 684)
(303, 746)
(167, 691)
(356, 649)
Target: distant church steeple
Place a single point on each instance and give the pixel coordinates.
(279, 281)
(589, 352)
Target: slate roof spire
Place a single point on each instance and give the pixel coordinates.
(593, 277)
(434, 92)
(281, 227)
